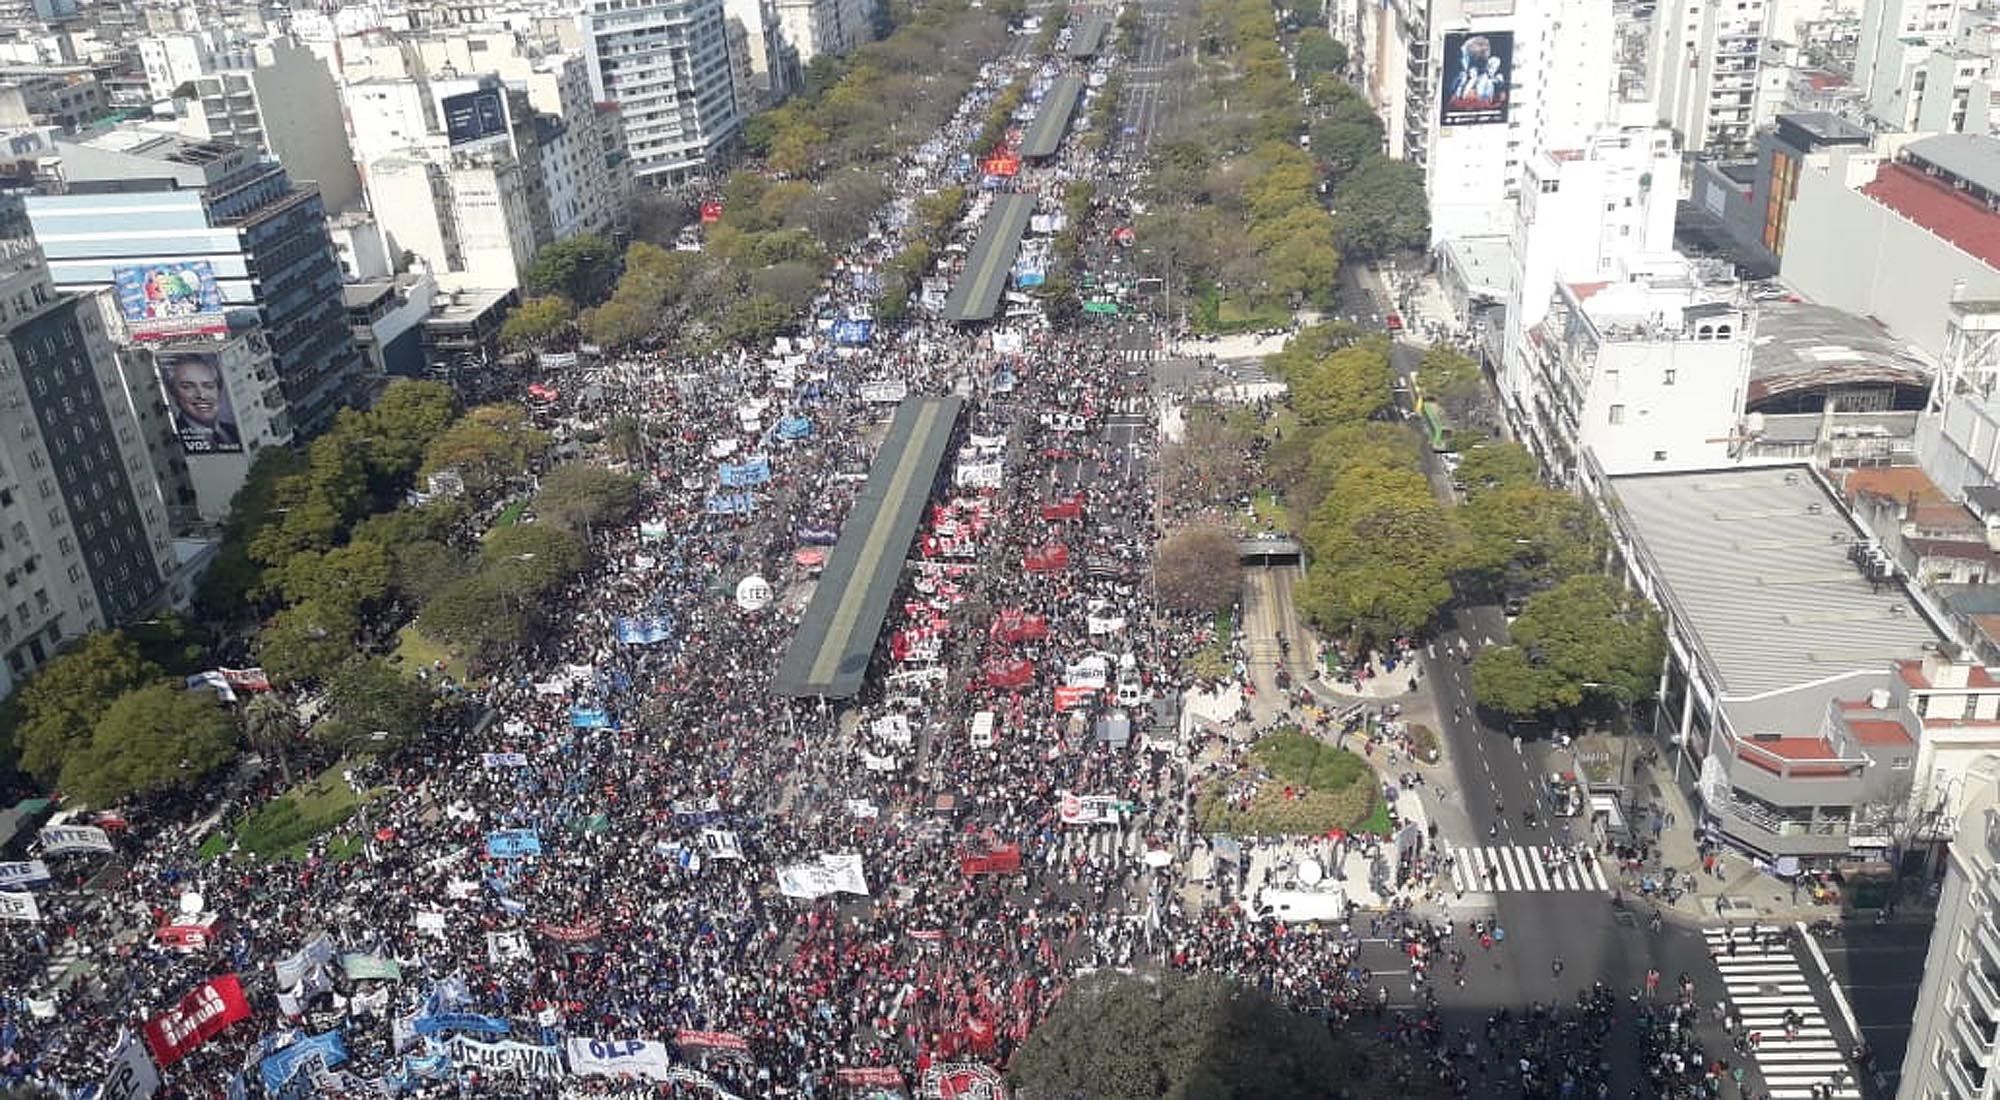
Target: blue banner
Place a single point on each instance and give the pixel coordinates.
(818, 536)
(329, 1049)
(589, 718)
(731, 504)
(744, 475)
(436, 1067)
(795, 427)
(513, 843)
(643, 630)
(460, 1021)
(853, 333)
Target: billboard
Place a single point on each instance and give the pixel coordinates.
(1478, 73)
(172, 299)
(199, 402)
(469, 116)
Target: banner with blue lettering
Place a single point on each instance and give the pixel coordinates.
(745, 475)
(441, 1022)
(513, 843)
(818, 536)
(731, 504)
(328, 1050)
(619, 1058)
(795, 427)
(853, 333)
(589, 718)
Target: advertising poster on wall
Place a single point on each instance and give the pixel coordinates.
(470, 116)
(1478, 73)
(199, 402)
(177, 299)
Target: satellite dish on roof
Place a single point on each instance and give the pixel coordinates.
(192, 904)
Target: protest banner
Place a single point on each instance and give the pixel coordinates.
(62, 840)
(199, 1016)
(619, 1058)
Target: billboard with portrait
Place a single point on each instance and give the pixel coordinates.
(198, 400)
(469, 116)
(170, 299)
(1478, 77)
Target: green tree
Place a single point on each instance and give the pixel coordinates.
(355, 576)
(1586, 636)
(617, 323)
(367, 697)
(1125, 1037)
(537, 321)
(583, 495)
(1316, 51)
(1493, 465)
(1196, 570)
(1381, 209)
(1341, 144)
(305, 642)
(1352, 384)
(52, 715)
(1532, 533)
(271, 728)
(400, 424)
(1383, 551)
(533, 558)
(625, 439)
(477, 616)
(151, 740)
(580, 268)
(1453, 380)
(488, 446)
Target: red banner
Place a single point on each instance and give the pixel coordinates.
(1015, 625)
(1004, 859)
(1009, 674)
(711, 212)
(190, 936)
(573, 933)
(1048, 559)
(200, 1016)
(1001, 166)
(1072, 508)
(885, 1077)
(1069, 698)
(712, 1040)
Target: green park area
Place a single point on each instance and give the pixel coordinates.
(1296, 785)
(286, 826)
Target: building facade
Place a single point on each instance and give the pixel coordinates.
(137, 201)
(1956, 1033)
(1703, 79)
(666, 64)
(277, 97)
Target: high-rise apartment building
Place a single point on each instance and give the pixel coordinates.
(128, 201)
(1703, 76)
(278, 97)
(84, 539)
(1956, 1034)
(666, 64)
(1891, 27)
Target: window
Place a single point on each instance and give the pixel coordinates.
(1668, 380)
(1659, 456)
(1617, 414)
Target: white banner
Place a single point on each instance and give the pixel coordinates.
(619, 1058)
(830, 874)
(429, 922)
(292, 970)
(550, 687)
(721, 844)
(978, 475)
(132, 1075)
(19, 907)
(893, 728)
(1105, 623)
(884, 393)
(1091, 672)
(14, 876)
(506, 946)
(1086, 809)
(59, 840)
(987, 444)
(539, 1063)
(862, 808)
(876, 763)
(1063, 422)
(504, 759)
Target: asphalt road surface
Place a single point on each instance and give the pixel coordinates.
(1879, 968)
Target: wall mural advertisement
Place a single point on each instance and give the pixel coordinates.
(163, 300)
(1478, 74)
(199, 402)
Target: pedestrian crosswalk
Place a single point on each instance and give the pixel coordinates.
(1096, 845)
(1763, 979)
(1522, 868)
(1141, 355)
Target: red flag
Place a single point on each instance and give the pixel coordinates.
(200, 1016)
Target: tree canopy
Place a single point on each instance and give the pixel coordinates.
(580, 269)
(1196, 570)
(1125, 1037)
(1381, 208)
(150, 740)
(1586, 635)
(53, 715)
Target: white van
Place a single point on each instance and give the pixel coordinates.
(1301, 905)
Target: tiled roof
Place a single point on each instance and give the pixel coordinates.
(1935, 206)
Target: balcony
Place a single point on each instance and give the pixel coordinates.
(1989, 944)
(1969, 1080)
(1980, 990)
(1973, 1040)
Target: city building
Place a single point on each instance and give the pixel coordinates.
(234, 374)
(126, 203)
(387, 316)
(1797, 657)
(278, 97)
(666, 64)
(1582, 213)
(815, 28)
(84, 536)
(775, 68)
(1898, 232)
(1743, 205)
(1642, 369)
(68, 97)
(1890, 29)
(1703, 77)
(1956, 1033)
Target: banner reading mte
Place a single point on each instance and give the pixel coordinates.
(61, 840)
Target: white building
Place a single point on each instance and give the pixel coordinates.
(1891, 27)
(171, 60)
(1583, 214)
(773, 62)
(278, 97)
(830, 27)
(666, 64)
(1897, 233)
(249, 378)
(1703, 78)
(1644, 368)
(1956, 1034)
(1552, 65)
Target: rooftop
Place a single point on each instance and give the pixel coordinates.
(1804, 346)
(1754, 564)
(1935, 205)
(1974, 158)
